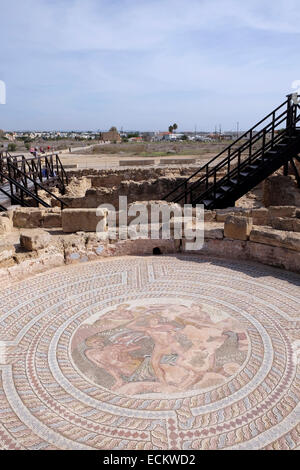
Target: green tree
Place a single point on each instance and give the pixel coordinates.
(11, 147)
(171, 129)
(175, 126)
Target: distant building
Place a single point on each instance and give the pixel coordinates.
(136, 139)
(164, 136)
(110, 136)
(11, 137)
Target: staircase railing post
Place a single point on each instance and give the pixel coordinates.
(40, 169)
(289, 117)
(228, 163)
(1, 167)
(215, 182)
(9, 174)
(273, 127)
(264, 145)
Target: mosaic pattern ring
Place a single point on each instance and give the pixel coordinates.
(174, 352)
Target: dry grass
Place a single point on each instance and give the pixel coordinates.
(157, 149)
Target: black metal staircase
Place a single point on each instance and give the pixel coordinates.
(272, 143)
(22, 179)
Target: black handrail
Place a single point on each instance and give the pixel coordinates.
(35, 165)
(34, 170)
(228, 148)
(235, 172)
(235, 154)
(19, 174)
(23, 190)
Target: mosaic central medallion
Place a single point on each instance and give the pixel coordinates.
(159, 347)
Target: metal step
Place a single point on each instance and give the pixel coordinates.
(207, 202)
(253, 167)
(264, 156)
(226, 188)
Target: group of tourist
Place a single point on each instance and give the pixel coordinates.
(35, 151)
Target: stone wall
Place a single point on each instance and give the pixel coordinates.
(34, 217)
(145, 190)
(281, 190)
(91, 188)
(36, 250)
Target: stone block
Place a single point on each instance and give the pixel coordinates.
(281, 223)
(225, 247)
(213, 231)
(281, 190)
(6, 225)
(296, 225)
(75, 248)
(278, 238)
(267, 236)
(52, 220)
(237, 227)
(274, 256)
(35, 240)
(282, 211)
(260, 216)
(84, 220)
(221, 214)
(292, 241)
(209, 216)
(28, 217)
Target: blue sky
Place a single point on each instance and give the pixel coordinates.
(138, 64)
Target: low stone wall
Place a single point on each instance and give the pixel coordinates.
(178, 161)
(115, 176)
(32, 217)
(134, 190)
(39, 249)
(278, 217)
(85, 220)
(136, 162)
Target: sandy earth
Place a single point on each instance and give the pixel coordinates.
(112, 161)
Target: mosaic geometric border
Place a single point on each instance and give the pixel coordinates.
(46, 403)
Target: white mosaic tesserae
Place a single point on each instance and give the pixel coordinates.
(172, 352)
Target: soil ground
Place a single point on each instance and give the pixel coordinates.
(109, 156)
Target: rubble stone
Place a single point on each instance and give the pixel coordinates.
(35, 240)
(237, 227)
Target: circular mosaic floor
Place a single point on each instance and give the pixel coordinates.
(151, 353)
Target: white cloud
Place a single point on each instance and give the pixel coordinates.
(139, 25)
(147, 56)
